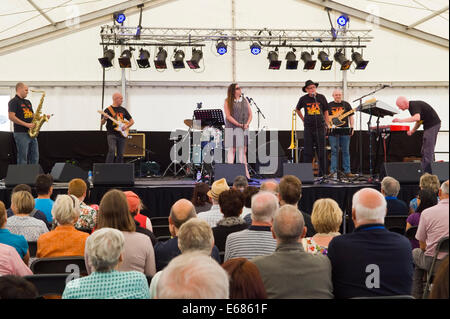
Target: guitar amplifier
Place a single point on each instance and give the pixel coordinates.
(135, 145)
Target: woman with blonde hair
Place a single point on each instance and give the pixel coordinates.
(427, 181)
(326, 218)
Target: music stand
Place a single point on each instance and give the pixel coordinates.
(212, 117)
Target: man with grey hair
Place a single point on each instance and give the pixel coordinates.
(240, 183)
(371, 261)
(290, 272)
(433, 227)
(193, 275)
(105, 248)
(257, 240)
(390, 187)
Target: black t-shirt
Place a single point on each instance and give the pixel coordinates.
(314, 109)
(334, 108)
(120, 113)
(23, 110)
(428, 115)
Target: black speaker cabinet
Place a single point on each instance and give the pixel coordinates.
(441, 170)
(304, 171)
(113, 174)
(228, 171)
(22, 174)
(404, 172)
(65, 172)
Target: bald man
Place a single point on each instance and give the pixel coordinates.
(342, 142)
(371, 261)
(116, 141)
(422, 113)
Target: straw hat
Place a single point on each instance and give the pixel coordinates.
(217, 188)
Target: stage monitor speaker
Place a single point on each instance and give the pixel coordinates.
(65, 172)
(134, 145)
(228, 171)
(22, 174)
(404, 172)
(441, 170)
(304, 171)
(113, 174)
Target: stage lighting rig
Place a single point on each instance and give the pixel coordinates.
(325, 61)
(197, 55)
(342, 60)
(291, 60)
(125, 58)
(178, 58)
(255, 48)
(361, 64)
(119, 17)
(221, 48)
(273, 59)
(343, 20)
(306, 57)
(108, 56)
(143, 61)
(160, 61)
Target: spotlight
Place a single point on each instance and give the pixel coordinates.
(325, 61)
(343, 20)
(160, 61)
(255, 48)
(178, 58)
(310, 64)
(143, 62)
(274, 62)
(291, 62)
(125, 59)
(197, 55)
(221, 48)
(342, 60)
(119, 17)
(358, 59)
(108, 56)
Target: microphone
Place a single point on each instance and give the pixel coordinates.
(248, 99)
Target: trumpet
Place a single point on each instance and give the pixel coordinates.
(294, 143)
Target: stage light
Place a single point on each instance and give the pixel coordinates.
(343, 20)
(221, 48)
(178, 58)
(324, 61)
(291, 60)
(143, 61)
(197, 55)
(125, 59)
(359, 61)
(310, 64)
(342, 60)
(255, 48)
(160, 61)
(108, 56)
(274, 62)
(119, 17)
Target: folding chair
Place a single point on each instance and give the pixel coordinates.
(161, 230)
(59, 265)
(442, 247)
(156, 221)
(395, 221)
(49, 284)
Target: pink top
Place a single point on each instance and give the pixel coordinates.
(433, 226)
(11, 263)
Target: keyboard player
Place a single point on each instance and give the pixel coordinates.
(422, 113)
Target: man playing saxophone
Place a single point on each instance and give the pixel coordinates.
(20, 112)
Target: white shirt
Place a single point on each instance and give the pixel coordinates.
(212, 216)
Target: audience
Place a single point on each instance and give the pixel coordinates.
(64, 240)
(326, 218)
(17, 241)
(181, 211)
(35, 212)
(231, 203)
(270, 186)
(142, 222)
(390, 188)
(433, 226)
(11, 263)
(290, 192)
(257, 240)
(439, 289)
(44, 190)
(193, 276)
(240, 183)
(200, 198)
(104, 249)
(88, 215)
(21, 223)
(247, 210)
(213, 215)
(245, 279)
(427, 181)
(138, 253)
(194, 235)
(15, 287)
(370, 261)
(290, 272)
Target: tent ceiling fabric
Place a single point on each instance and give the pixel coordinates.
(19, 16)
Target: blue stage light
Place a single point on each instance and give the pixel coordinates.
(342, 20)
(221, 48)
(119, 17)
(255, 49)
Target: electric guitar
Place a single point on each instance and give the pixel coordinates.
(120, 124)
(336, 119)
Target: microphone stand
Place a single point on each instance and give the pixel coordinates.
(260, 113)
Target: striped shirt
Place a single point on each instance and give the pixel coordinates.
(212, 216)
(249, 243)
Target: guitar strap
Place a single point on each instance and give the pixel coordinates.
(111, 110)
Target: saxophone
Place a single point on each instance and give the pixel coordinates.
(38, 119)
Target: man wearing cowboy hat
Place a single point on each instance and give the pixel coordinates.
(214, 215)
(315, 122)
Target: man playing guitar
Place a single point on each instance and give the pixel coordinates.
(116, 133)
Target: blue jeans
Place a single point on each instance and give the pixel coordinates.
(342, 141)
(27, 148)
(116, 146)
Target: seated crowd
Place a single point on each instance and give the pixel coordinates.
(233, 242)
